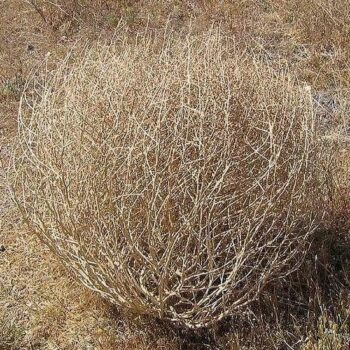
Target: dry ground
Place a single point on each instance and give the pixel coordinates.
(41, 307)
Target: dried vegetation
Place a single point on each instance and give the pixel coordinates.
(301, 48)
(182, 196)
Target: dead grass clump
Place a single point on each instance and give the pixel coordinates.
(175, 178)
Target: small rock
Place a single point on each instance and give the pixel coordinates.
(2, 248)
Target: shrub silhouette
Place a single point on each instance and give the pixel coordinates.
(175, 178)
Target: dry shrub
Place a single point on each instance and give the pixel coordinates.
(175, 178)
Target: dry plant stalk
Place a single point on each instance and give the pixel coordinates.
(174, 178)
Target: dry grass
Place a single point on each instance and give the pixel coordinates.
(311, 38)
